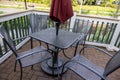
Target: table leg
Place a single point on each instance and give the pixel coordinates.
(53, 66)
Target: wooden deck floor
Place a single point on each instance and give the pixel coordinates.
(7, 72)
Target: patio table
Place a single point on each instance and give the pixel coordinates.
(61, 41)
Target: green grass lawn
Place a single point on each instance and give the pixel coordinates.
(86, 9)
(1, 12)
(96, 10)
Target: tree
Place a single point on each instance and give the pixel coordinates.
(107, 2)
(118, 3)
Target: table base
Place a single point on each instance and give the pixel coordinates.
(53, 71)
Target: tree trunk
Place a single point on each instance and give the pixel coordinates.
(116, 13)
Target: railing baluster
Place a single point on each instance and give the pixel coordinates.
(112, 32)
(100, 31)
(19, 28)
(5, 24)
(105, 33)
(90, 32)
(1, 53)
(24, 26)
(12, 30)
(69, 25)
(23, 34)
(109, 32)
(76, 28)
(27, 23)
(16, 31)
(5, 46)
(95, 32)
(117, 43)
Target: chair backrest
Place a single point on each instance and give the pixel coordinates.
(38, 22)
(82, 26)
(7, 39)
(113, 64)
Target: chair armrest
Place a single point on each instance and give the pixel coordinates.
(99, 49)
(30, 53)
(80, 38)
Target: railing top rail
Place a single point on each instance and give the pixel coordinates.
(10, 16)
(96, 18)
(7, 17)
(26, 12)
(106, 18)
(39, 11)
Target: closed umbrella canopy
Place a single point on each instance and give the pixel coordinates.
(61, 10)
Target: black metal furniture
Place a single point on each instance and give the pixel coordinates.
(26, 58)
(61, 41)
(81, 27)
(90, 71)
(37, 22)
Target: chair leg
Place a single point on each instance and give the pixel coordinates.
(65, 54)
(52, 66)
(76, 48)
(20, 69)
(32, 67)
(83, 48)
(62, 71)
(15, 66)
(21, 73)
(31, 43)
(47, 46)
(40, 43)
(58, 72)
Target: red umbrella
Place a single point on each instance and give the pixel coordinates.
(60, 11)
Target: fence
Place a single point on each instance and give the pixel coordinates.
(105, 31)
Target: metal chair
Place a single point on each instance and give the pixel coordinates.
(90, 71)
(81, 27)
(38, 22)
(26, 58)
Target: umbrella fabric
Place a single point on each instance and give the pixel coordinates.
(61, 10)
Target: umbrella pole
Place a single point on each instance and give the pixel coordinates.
(57, 27)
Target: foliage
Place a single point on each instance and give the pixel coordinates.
(74, 2)
(1, 12)
(96, 10)
(89, 6)
(108, 3)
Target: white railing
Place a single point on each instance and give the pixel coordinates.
(110, 46)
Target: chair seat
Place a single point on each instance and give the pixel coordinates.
(86, 69)
(32, 56)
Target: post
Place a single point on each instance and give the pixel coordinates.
(57, 27)
(72, 22)
(114, 38)
(25, 4)
(80, 7)
(116, 13)
(32, 23)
